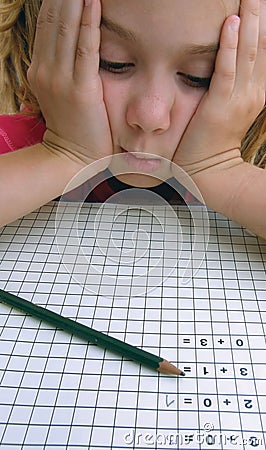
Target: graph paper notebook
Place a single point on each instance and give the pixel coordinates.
(116, 269)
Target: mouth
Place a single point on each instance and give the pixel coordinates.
(141, 162)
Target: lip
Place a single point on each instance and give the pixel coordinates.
(141, 163)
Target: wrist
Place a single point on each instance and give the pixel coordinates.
(67, 150)
(75, 166)
(237, 194)
(214, 164)
(203, 178)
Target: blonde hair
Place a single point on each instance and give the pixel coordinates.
(17, 31)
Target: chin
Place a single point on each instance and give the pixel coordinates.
(138, 180)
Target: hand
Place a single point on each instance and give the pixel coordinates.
(64, 76)
(236, 95)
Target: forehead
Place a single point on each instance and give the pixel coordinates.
(149, 6)
(191, 19)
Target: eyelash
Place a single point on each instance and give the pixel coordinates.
(197, 82)
(114, 67)
(120, 68)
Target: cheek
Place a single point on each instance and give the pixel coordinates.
(115, 98)
(186, 104)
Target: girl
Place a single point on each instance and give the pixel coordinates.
(162, 88)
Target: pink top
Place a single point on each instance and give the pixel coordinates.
(18, 131)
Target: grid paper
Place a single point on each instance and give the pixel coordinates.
(58, 392)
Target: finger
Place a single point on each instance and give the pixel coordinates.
(87, 55)
(46, 31)
(260, 67)
(68, 34)
(248, 41)
(223, 79)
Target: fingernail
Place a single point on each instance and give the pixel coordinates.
(87, 2)
(235, 24)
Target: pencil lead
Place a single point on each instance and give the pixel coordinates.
(168, 368)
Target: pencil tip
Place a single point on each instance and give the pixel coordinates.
(168, 368)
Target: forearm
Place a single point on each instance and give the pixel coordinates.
(33, 176)
(236, 191)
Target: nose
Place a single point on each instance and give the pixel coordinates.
(149, 109)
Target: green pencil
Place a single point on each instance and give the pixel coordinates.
(91, 335)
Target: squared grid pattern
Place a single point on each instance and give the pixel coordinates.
(120, 270)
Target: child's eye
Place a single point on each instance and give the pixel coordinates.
(197, 82)
(115, 67)
(119, 67)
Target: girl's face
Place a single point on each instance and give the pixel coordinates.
(157, 58)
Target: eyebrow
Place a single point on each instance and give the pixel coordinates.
(120, 31)
(202, 49)
(129, 35)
